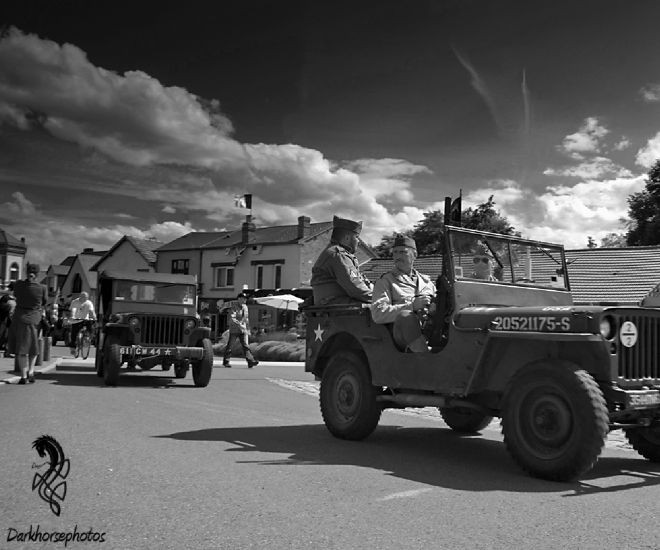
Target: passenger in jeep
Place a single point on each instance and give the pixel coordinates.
(336, 277)
(483, 267)
(402, 296)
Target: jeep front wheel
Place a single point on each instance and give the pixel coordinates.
(202, 368)
(646, 441)
(347, 397)
(111, 361)
(464, 419)
(554, 420)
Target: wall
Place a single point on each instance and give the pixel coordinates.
(125, 258)
(164, 261)
(67, 293)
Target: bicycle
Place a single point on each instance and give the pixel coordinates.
(83, 341)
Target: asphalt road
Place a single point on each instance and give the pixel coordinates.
(247, 463)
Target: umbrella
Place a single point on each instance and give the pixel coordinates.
(282, 301)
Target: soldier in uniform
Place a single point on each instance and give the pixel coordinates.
(402, 296)
(336, 277)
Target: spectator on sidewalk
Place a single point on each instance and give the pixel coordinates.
(239, 327)
(31, 297)
(7, 307)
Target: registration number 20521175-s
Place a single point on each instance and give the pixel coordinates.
(543, 323)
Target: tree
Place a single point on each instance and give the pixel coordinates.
(613, 240)
(644, 211)
(428, 233)
(591, 243)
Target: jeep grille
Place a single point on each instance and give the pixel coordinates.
(641, 361)
(161, 330)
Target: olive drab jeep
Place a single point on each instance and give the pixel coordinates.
(512, 345)
(150, 319)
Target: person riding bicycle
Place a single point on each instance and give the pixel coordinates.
(82, 314)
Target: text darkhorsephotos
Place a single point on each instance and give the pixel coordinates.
(36, 535)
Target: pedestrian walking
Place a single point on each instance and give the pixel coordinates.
(239, 327)
(7, 307)
(31, 297)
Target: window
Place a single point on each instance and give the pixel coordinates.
(259, 276)
(224, 277)
(180, 266)
(13, 272)
(278, 276)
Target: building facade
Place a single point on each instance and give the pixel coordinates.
(12, 258)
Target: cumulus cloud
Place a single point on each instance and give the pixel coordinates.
(51, 240)
(591, 169)
(586, 140)
(184, 143)
(650, 153)
(650, 93)
(563, 213)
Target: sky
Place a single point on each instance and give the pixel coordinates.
(142, 119)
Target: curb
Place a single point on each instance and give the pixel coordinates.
(42, 370)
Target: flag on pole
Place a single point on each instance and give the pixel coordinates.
(244, 201)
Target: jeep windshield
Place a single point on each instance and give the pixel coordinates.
(168, 293)
(509, 260)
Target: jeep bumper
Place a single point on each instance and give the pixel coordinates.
(174, 352)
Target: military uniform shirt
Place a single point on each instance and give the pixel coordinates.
(395, 291)
(336, 274)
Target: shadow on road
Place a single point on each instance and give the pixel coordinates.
(433, 456)
(127, 380)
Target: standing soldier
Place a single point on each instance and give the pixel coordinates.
(239, 327)
(336, 277)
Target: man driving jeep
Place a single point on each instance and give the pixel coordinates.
(402, 296)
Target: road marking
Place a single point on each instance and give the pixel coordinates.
(405, 494)
(616, 439)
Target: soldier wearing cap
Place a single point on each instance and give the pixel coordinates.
(482, 261)
(402, 295)
(336, 277)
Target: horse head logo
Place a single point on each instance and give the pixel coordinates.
(51, 484)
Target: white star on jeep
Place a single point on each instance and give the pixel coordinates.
(319, 333)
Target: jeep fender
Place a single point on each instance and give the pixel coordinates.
(340, 341)
(199, 333)
(119, 330)
(505, 353)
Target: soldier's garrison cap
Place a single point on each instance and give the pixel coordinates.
(349, 225)
(403, 240)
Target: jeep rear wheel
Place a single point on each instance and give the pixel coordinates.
(554, 420)
(202, 368)
(646, 441)
(180, 369)
(347, 397)
(465, 419)
(111, 361)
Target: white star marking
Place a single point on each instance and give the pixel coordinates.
(319, 333)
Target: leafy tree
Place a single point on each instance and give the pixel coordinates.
(428, 233)
(591, 243)
(614, 240)
(644, 211)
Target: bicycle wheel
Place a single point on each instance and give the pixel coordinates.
(78, 346)
(86, 342)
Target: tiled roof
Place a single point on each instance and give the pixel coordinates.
(9, 240)
(279, 234)
(613, 275)
(60, 269)
(597, 275)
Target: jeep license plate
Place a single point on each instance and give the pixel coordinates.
(139, 350)
(643, 400)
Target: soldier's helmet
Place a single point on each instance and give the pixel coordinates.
(346, 224)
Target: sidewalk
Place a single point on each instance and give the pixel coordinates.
(8, 376)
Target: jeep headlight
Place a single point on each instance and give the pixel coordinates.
(190, 324)
(607, 327)
(134, 322)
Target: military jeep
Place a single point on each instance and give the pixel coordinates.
(559, 375)
(150, 319)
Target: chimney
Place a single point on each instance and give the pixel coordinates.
(304, 228)
(87, 250)
(247, 230)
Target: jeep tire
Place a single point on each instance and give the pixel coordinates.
(554, 420)
(202, 368)
(646, 441)
(111, 361)
(465, 419)
(180, 369)
(347, 397)
(98, 361)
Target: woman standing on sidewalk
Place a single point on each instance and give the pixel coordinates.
(31, 298)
